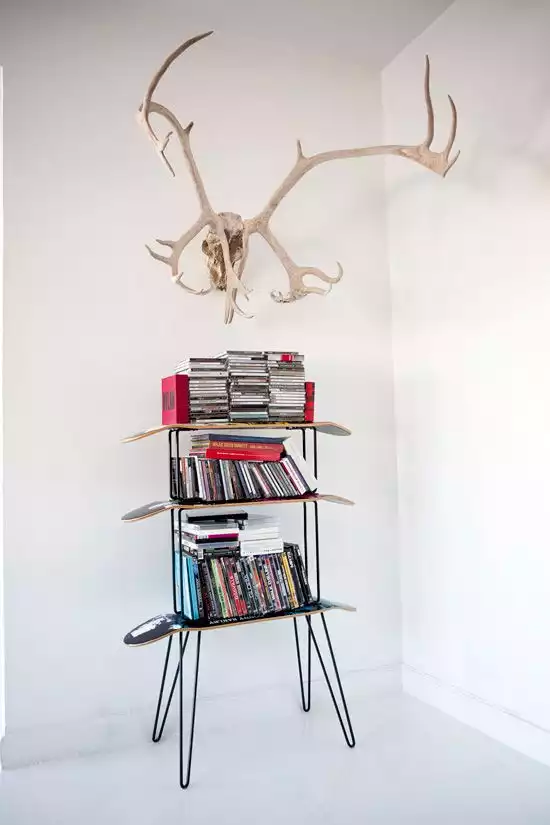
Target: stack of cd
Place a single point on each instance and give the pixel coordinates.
(208, 395)
(287, 394)
(248, 387)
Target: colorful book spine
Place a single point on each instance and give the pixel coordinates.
(309, 408)
(239, 455)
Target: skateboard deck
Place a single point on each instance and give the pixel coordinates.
(327, 427)
(156, 507)
(166, 624)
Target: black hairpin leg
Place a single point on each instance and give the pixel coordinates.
(306, 703)
(184, 780)
(347, 729)
(157, 732)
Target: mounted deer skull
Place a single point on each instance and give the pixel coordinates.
(226, 244)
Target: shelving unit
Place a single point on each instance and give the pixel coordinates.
(176, 624)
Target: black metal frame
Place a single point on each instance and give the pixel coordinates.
(338, 697)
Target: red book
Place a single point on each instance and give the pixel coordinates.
(175, 400)
(239, 455)
(309, 409)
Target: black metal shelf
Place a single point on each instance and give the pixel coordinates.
(184, 629)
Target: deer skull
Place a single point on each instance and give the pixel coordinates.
(226, 244)
(212, 247)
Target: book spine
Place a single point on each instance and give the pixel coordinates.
(248, 590)
(233, 588)
(289, 584)
(198, 590)
(309, 408)
(295, 480)
(268, 585)
(174, 492)
(222, 610)
(285, 598)
(214, 444)
(302, 574)
(295, 578)
(208, 607)
(258, 584)
(240, 455)
(260, 480)
(231, 610)
(272, 578)
(296, 475)
(240, 585)
(192, 588)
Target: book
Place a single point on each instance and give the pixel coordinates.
(309, 408)
(175, 399)
(237, 455)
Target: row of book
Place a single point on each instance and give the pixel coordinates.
(229, 588)
(240, 386)
(263, 474)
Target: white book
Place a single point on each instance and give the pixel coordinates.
(302, 465)
(257, 548)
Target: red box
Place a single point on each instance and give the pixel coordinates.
(175, 400)
(309, 409)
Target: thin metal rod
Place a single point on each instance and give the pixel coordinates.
(180, 550)
(306, 705)
(316, 522)
(179, 490)
(304, 508)
(349, 736)
(157, 733)
(317, 563)
(173, 548)
(172, 488)
(184, 783)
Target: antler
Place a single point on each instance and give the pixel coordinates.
(422, 153)
(207, 215)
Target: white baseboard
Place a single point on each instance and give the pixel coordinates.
(80, 737)
(499, 723)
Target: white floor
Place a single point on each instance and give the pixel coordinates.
(412, 764)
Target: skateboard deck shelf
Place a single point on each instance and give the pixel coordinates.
(156, 507)
(160, 627)
(327, 427)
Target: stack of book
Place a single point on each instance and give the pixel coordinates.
(237, 447)
(259, 535)
(208, 394)
(287, 395)
(248, 385)
(212, 537)
(222, 587)
(277, 472)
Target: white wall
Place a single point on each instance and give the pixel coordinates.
(470, 271)
(92, 323)
(2, 645)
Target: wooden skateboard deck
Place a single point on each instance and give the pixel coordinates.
(166, 624)
(327, 427)
(156, 507)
